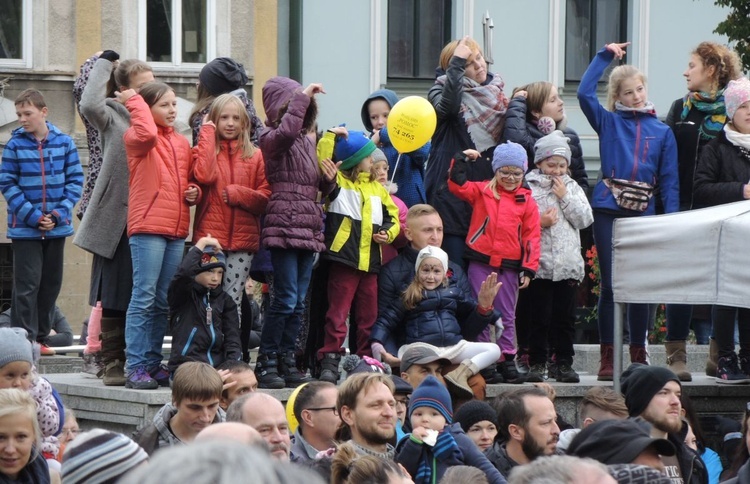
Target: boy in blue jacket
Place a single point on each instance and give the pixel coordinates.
(41, 179)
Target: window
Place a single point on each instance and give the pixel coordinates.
(15, 33)
(177, 32)
(417, 32)
(589, 24)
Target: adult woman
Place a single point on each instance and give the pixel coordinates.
(696, 119)
(479, 420)
(19, 439)
(470, 106)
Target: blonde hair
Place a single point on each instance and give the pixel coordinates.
(413, 294)
(537, 94)
(616, 78)
(243, 140)
(19, 402)
(447, 53)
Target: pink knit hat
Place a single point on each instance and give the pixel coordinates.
(736, 94)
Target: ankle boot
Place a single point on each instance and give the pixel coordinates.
(288, 370)
(458, 379)
(113, 351)
(713, 357)
(267, 371)
(491, 376)
(329, 368)
(677, 359)
(606, 363)
(638, 354)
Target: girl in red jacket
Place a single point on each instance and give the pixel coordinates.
(231, 172)
(503, 237)
(159, 202)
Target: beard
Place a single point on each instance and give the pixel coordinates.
(531, 449)
(665, 424)
(377, 436)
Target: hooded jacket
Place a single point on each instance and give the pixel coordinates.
(39, 178)
(498, 456)
(157, 434)
(294, 219)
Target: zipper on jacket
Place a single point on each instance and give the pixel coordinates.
(211, 330)
(480, 231)
(40, 148)
(637, 147)
(189, 341)
(231, 209)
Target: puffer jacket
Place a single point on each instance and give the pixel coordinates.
(39, 178)
(634, 146)
(159, 160)
(503, 233)
(294, 220)
(236, 224)
(722, 172)
(521, 131)
(193, 339)
(560, 254)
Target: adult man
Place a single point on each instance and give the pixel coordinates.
(420, 360)
(367, 409)
(265, 414)
(318, 418)
(597, 404)
(234, 431)
(563, 470)
(242, 379)
(653, 393)
(527, 427)
(196, 390)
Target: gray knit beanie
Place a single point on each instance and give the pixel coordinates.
(14, 346)
(554, 144)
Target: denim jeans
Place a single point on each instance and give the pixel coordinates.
(155, 261)
(292, 269)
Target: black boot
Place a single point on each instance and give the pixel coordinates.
(292, 375)
(267, 372)
(113, 351)
(329, 368)
(491, 376)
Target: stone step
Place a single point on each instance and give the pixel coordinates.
(586, 359)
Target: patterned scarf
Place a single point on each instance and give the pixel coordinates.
(715, 112)
(444, 447)
(483, 108)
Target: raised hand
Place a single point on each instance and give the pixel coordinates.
(488, 290)
(462, 49)
(123, 96)
(328, 168)
(313, 89)
(618, 49)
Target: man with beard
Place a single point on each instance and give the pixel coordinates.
(527, 428)
(653, 393)
(368, 414)
(265, 414)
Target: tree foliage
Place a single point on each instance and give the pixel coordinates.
(737, 27)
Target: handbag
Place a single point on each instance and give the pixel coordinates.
(630, 195)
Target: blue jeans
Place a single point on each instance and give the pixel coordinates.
(292, 270)
(155, 261)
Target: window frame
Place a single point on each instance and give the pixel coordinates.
(27, 37)
(176, 62)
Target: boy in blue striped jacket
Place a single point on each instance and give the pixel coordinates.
(41, 179)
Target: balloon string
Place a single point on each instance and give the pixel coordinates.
(393, 175)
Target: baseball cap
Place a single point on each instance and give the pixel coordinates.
(419, 354)
(616, 442)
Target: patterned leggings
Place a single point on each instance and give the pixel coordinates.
(238, 270)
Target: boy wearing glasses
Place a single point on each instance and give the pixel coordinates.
(503, 237)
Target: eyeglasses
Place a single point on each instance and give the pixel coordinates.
(508, 175)
(403, 401)
(318, 409)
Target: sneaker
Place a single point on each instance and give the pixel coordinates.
(552, 368)
(139, 379)
(161, 375)
(728, 371)
(536, 373)
(566, 374)
(522, 363)
(509, 372)
(92, 364)
(46, 350)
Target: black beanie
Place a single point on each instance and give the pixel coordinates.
(474, 411)
(222, 75)
(641, 382)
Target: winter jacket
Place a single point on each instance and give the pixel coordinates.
(560, 257)
(159, 160)
(633, 146)
(438, 319)
(743, 475)
(100, 233)
(193, 338)
(235, 224)
(411, 452)
(722, 173)
(691, 466)
(525, 133)
(293, 218)
(36, 471)
(49, 413)
(409, 174)
(503, 233)
(39, 178)
(157, 434)
(451, 135)
(390, 251)
(498, 456)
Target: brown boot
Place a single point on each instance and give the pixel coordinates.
(713, 357)
(677, 359)
(638, 354)
(113, 351)
(606, 364)
(458, 379)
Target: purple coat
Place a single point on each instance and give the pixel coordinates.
(294, 220)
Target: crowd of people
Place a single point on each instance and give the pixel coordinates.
(460, 268)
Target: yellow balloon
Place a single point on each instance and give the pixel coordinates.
(411, 123)
(290, 418)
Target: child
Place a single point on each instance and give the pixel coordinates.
(433, 313)
(435, 442)
(722, 177)
(409, 175)
(232, 175)
(203, 318)
(25, 462)
(158, 220)
(564, 210)
(41, 179)
(638, 152)
(360, 217)
(503, 237)
(380, 173)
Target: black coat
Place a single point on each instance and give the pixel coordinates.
(692, 468)
(722, 173)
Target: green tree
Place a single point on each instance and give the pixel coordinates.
(737, 27)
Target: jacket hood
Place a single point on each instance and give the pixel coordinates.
(385, 94)
(276, 92)
(53, 132)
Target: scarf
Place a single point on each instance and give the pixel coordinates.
(483, 108)
(444, 447)
(715, 113)
(740, 140)
(647, 109)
